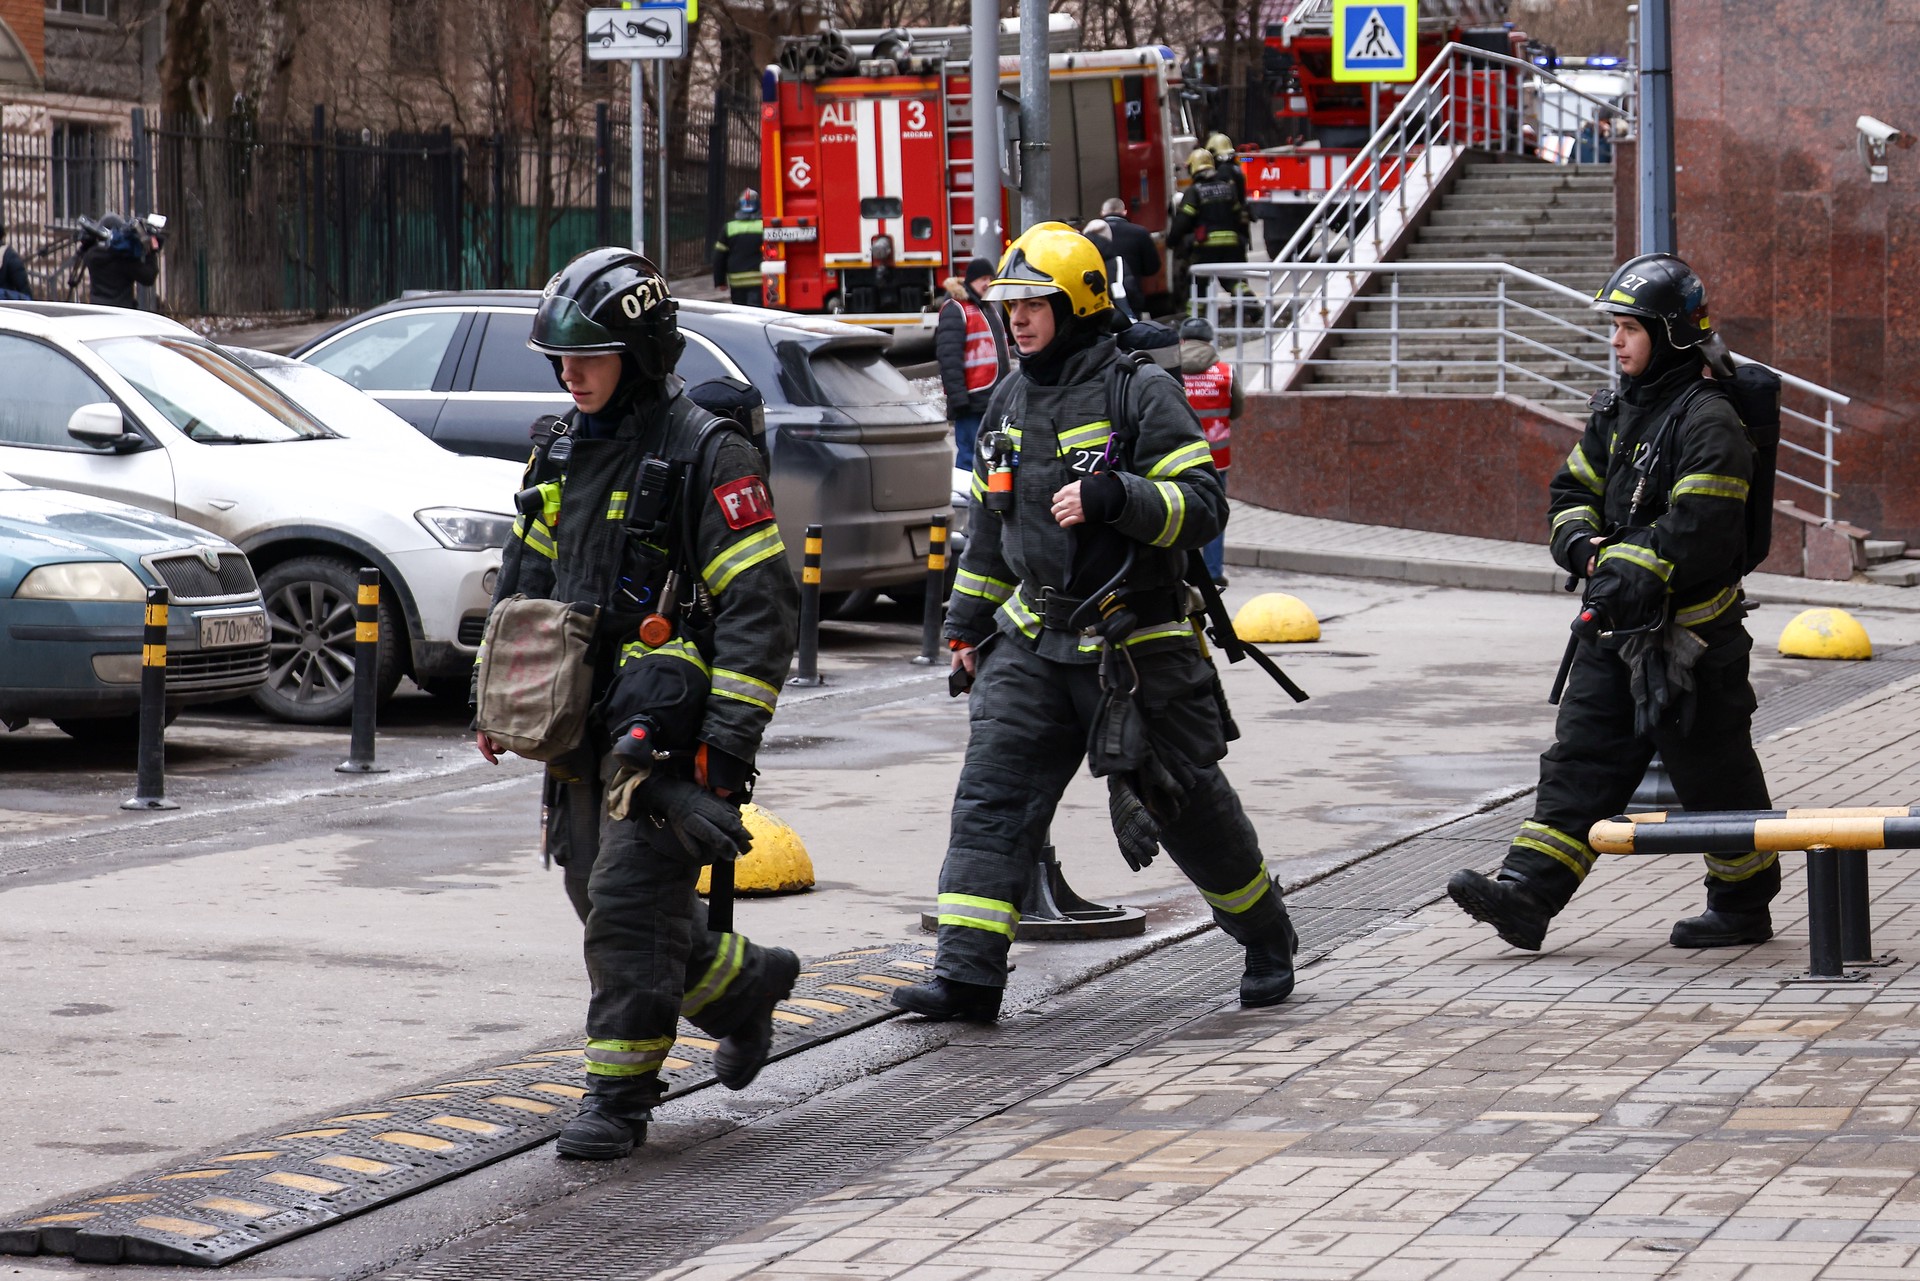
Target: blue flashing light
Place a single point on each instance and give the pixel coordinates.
(770, 84)
(1605, 60)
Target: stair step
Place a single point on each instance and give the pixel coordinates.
(1599, 205)
(1897, 573)
(1879, 549)
(1475, 252)
(1447, 217)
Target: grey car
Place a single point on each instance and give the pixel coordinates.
(855, 447)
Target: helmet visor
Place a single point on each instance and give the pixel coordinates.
(560, 328)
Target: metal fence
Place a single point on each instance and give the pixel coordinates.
(327, 218)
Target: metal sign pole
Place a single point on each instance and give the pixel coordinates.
(1036, 113)
(637, 154)
(983, 97)
(660, 192)
(1658, 232)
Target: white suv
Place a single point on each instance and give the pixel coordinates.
(133, 407)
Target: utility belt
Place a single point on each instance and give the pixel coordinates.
(1152, 607)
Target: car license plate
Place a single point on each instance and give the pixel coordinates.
(223, 631)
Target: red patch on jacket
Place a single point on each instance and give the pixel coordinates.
(744, 502)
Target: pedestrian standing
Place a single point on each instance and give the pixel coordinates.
(970, 343)
(1650, 509)
(1214, 393)
(1139, 255)
(1070, 607)
(654, 513)
(737, 254)
(130, 256)
(14, 284)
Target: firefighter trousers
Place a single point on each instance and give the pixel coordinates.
(650, 956)
(1597, 761)
(1029, 717)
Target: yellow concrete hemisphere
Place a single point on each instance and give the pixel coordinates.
(1275, 617)
(1825, 633)
(777, 863)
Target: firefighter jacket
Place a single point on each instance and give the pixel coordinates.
(1017, 563)
(1214, 393)
(971, 347)
(1211, 215)
(736, 255)
(1690, 531)
(744, 604)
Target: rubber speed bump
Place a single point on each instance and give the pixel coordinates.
(1276, 618)
(777, 863)
(1825, 633)
(267, 1188)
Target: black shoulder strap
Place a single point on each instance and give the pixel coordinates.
(691, 429)
(1120, 419)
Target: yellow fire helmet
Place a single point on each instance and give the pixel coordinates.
(1220, 145)
(1053, 258)
(1199, 160)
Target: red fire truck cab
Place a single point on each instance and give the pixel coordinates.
(867, 159)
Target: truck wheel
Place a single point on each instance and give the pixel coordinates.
(310, 645)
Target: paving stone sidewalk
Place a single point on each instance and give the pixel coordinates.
(1309, 544)
(1434, 1104)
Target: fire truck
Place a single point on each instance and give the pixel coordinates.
(866, 154)
(1327, 123)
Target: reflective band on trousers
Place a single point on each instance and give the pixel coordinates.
(1244, 897)
(627, 1058)
(1738, 867)
(1704, 612)
(719, 976)
(993, 915)
(1570, 852)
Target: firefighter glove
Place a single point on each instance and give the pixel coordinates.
(708, 827)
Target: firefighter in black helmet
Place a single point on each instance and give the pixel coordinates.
(1070, 589)
(1650, 509)
(650, 509)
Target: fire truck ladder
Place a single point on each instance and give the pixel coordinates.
(956, 109)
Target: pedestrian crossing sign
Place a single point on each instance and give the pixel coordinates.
(1375, 40)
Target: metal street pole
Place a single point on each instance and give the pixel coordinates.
(1658, 231)
(984, 75)
(1036, 111)
(637, 153)
(660, 192)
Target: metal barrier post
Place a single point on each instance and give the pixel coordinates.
(934, 617)
(1823, 915)
(366, 676)
(809, 648)
(1856, 912)
(150, 779)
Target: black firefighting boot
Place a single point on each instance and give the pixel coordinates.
(612, 1119)
(1505, 903)
(941, 999)
(1736, 909)
(743, 1052)
(1715, 928)
(1268, 979)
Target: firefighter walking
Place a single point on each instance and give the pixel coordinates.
(971, 347)
(1650, 508)
(1211, 219)
(1070, 609)
(645, 507)
(737, 254)
(1215, 395)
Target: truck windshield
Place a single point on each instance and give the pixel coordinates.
(206, 393)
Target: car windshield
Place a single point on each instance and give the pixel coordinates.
(206, 393)
(344, 407)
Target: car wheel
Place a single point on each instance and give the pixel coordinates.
(310, 645)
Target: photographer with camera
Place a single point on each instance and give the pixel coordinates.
(122, 255)
(14, 285)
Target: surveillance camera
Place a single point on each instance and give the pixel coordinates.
(1880, 133)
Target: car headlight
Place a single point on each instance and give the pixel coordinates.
(464, 530)
(82, 580)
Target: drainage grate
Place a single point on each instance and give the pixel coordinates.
(273, 1186)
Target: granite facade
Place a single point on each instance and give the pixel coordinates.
(1808, 265)
(1475, 465)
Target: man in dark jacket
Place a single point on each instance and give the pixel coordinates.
(643, 506)
(736, 255)
(1070, 590)
(970, 343)
(1134, 245)
(14, 284)
(1650, 508)
(130, 256)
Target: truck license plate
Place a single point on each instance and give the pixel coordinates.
(228, 630)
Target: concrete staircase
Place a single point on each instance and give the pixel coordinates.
(1892, 562)
(1553, 220)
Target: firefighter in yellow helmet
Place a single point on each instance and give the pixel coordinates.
(1226, 161)
(1210, 223)
(1093, 483)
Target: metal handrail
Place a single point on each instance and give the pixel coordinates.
(1283, 336)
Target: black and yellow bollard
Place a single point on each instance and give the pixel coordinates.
(935, 616)
(366, 676)
(809, 647)
(150, 782)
